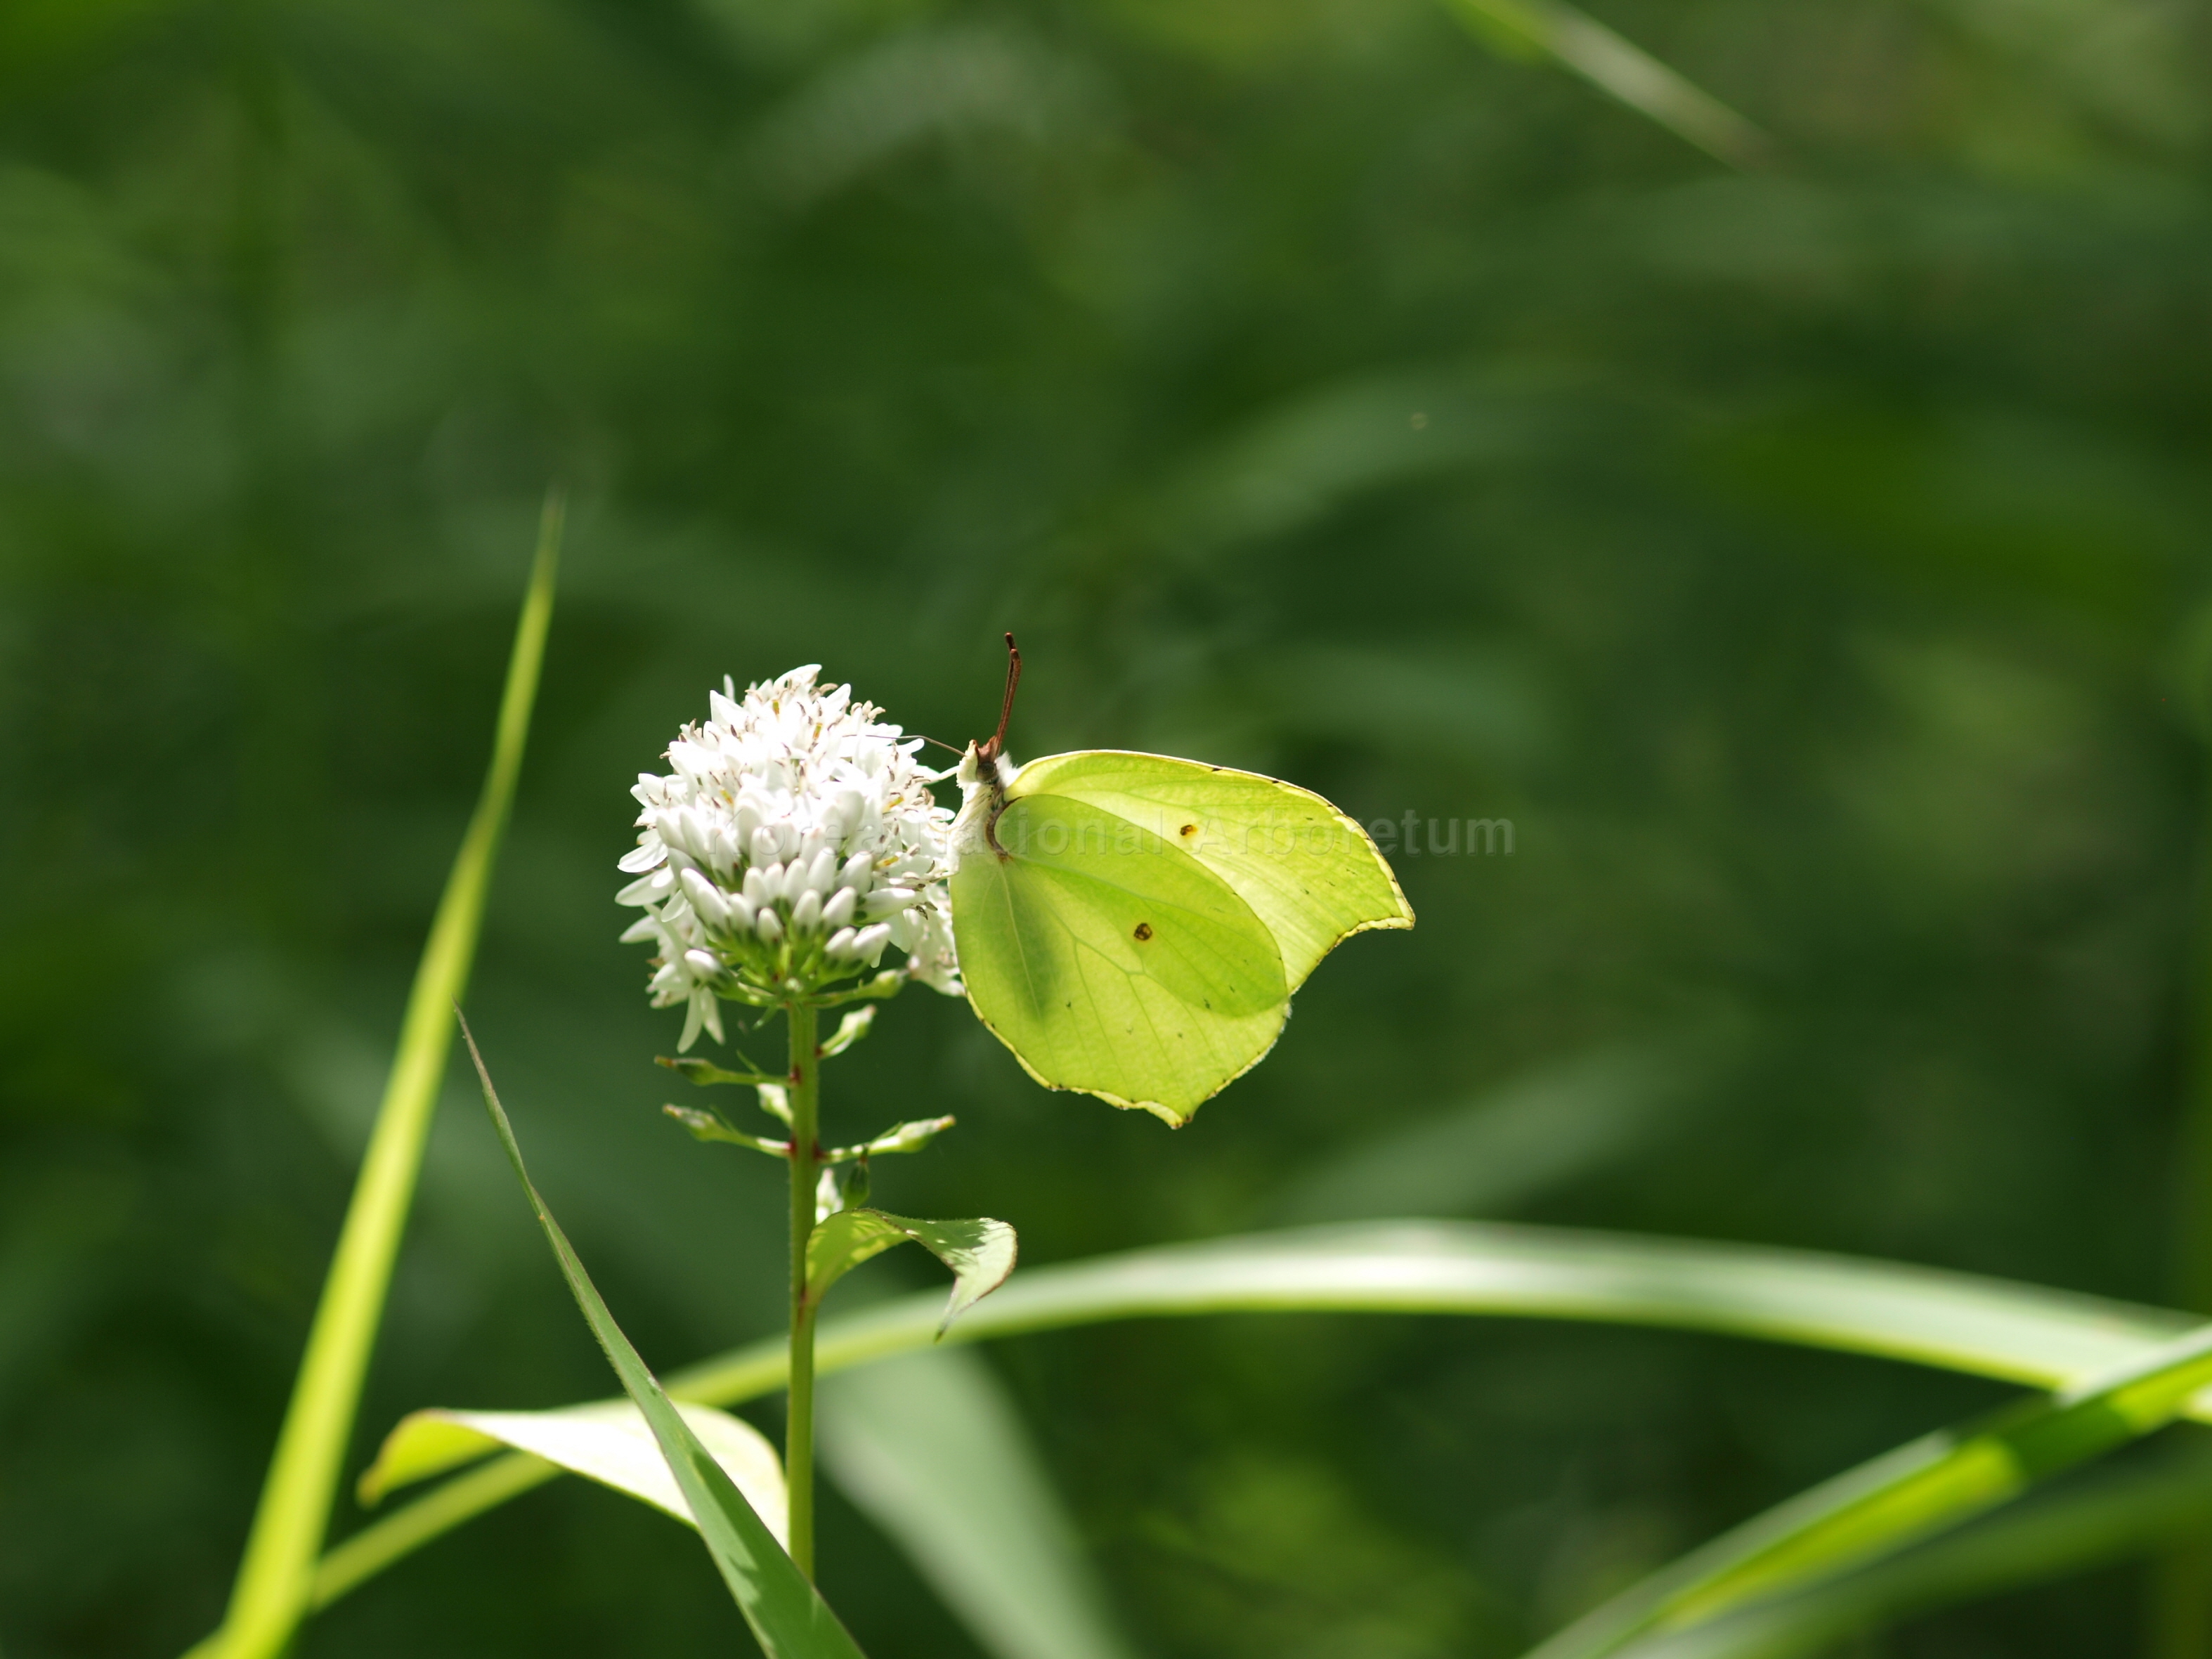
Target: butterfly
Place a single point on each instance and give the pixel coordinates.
(1133, 926)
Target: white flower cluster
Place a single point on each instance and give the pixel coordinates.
(795, 839)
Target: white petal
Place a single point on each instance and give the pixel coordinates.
(646, 854)
(640, 932)
(647, 889)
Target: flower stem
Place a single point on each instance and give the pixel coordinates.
(806, 1155)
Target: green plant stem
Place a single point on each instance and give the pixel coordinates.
(805, 1096)
(275, 1577)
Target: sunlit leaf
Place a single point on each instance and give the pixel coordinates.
(980, 1252)
(608, 1442)
(1898, 1499)
(1953, 1322)
(2097, 1519)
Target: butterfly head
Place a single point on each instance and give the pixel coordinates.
(985, 774)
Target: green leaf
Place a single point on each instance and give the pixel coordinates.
(705, 1073)
(1926, 1316)
(980, 1252)
(608, 1441)
(1900, 1497)
(275, 1577)
(789, 1619)
(929, 1446)
(2092, 1522)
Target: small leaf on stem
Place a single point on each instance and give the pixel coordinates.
(704, 1072)
(710, 1127)
(979, 1250)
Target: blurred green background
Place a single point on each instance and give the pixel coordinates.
(1808, 561)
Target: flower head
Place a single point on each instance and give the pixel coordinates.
(795, 839)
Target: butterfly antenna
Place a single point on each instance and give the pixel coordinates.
(997, 746)
(941, 743)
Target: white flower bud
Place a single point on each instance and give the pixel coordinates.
(768, 927)
(868, 944)
(761, 883)
(793, 882)
(821, 871)
(890, 901)
(806, 913)
(762, 845)
(838, 912)
(706, 899)
(856, 873)
(840, 943)
(705, 964)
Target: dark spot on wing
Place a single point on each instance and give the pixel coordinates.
(1144, 930)
(1190, 830)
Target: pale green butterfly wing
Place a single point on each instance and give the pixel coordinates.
(1110, 961)
(1310, 874)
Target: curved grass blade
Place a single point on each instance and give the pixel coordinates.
(274, 1586)
(2043, 1538)
(607, 1442)
(1553, 29)
(1900, 1497)
(929, 1446)
(787, 1616)
(1952, 1321)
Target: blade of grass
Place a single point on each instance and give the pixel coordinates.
(1553, 29)
(273, 1590)
(1932, 1484)
(930, 1448)
(2105, 1519)
(787, 1617)
(1955, 1322)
